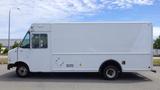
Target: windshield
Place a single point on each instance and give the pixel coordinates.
(26, 41)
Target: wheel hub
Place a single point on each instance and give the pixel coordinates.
(22, 71)
(110, 73)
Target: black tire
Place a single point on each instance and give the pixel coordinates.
(22, 71)
(110, 72)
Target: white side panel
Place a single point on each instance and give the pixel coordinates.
(84, 47)
(92, 62)
(87, 46)
(73, 38)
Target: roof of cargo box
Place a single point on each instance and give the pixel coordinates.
(91, 22)
(41, 26)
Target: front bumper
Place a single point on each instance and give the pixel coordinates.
(153, 71)
(10, 66)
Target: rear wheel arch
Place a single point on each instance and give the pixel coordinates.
(110, 62)
(110, 69)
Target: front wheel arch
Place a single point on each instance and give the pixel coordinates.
(20, 65)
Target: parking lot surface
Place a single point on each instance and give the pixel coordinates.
(78, 81)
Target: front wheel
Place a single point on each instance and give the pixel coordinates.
(22, 71)
(110, 73)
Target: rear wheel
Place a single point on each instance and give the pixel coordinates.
(22, 71)
(110, 72)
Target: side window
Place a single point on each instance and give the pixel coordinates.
(26, 41)
(39, 41)
(43, 41)
(35, 41)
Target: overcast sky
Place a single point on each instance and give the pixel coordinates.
(47, 11)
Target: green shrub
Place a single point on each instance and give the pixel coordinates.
(5, 51)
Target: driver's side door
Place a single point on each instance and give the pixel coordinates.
(40, 51)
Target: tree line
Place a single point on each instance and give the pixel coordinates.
(5, 50)
(156, 44)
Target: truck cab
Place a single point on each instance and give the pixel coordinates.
(32, 54)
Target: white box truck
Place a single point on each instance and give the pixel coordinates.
(105, 47)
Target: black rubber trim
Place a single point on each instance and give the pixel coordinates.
(10, 66)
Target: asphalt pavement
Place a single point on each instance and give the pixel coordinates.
(78, 81)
